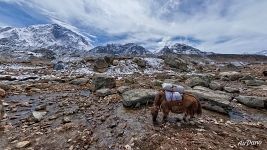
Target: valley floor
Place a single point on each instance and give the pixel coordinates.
(59, 110)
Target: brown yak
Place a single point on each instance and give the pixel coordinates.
(189, 105)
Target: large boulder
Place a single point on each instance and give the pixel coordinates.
(230, 89)
(140, 62)
(213, 100)
(254, 82)
(230, 75)
(59, 66)
(253, 101)
(102, 81)
(176, 63)
(215, 85)
(100, 65)
(197, 81)
(137, 97)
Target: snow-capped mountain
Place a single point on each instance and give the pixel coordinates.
(264, 52)
(50, 36)
(118, 49)
(182, 49)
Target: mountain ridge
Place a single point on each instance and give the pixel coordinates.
(51, 36)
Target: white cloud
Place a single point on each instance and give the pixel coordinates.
(240, 25)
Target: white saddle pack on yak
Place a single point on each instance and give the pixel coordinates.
(173, 92)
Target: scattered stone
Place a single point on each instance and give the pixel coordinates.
(253, 101)
(2, 111)
(231, 89)
(23, 144)
(140, 62)
(254, 82)
(231, 75)
(102, 81)
(41, 107)
(38, 115)
(196, 81)
(115, 62)
(247, 77)
(143, 96)
(2, 93)
(59, 66)
(5, 87)
(85, 93)
(79, 81)
(103, 92)
(176, 63)
(8, 78)
(215, 85)
(123, 89)
(100, 65)
(66, 120)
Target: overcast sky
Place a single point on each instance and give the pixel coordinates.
(224, 26)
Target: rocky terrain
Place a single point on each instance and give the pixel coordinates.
(104, 103)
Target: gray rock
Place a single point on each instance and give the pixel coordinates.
(5, 87)
(102, 81)
(2, 111)
(212, 100)
(85, 93)
(214, 85)
(23, 144)
(197, 81)
(230, 75)
(59, 66)
(103, 92)
(247, 77)
(2, 93)
(123, 89)
(176, 63)
(254, 82)
(100, 65)
(131, 98)
(79, 81)
(253, 101)
(140, 62)
(66, 120)
(231, 89)
(41, 107)
(38, 115)
(115, 62)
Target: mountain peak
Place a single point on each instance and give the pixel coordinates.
(118, 49)
(263, 52)
(179, 48)
(51, 36)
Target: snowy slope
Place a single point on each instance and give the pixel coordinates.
(51, 36)
(264, 52)
(118, 49)
(182, 49)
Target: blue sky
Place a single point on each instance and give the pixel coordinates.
(224, 26)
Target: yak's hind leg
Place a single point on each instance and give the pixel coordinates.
(166, 111)
(154, 113)
(186, 115)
